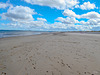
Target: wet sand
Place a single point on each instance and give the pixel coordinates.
(51, 54)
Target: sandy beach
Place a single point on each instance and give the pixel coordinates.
(51, 54)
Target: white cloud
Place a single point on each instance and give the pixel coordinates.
(86, 6)
(93, 18)
(27, 24)
(58, 25)
(37, 25)
(70, 13)
(5, 5)
(41, 19)
(60, 19)
(21, 16)
(91, 22)
(59, 4)
(96, 28)
(67, 20)
(77, 6)
(19, 13)
(90, 15)
(70, 27)
(72, 20)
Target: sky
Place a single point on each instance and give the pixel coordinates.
(50, 15)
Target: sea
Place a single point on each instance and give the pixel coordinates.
(14, 33)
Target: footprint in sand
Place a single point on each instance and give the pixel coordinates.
(34, 67)
(68, 66)
(25, 68)
(3, 73)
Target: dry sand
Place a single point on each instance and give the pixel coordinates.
(51, 54)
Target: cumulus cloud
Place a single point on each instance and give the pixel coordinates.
(28, 24)
(90, 15)
(55, 26)
(96, 28)
(41, 19)
(22, 16)
(70, 27)
(19, 13)
(70, 23)
(59, 4)
(87, 6)
(68, 20)
(72, 20)
(93, 18)
(5, 5)
(39, 25)
(91, 22)
(77, 6)
(58, 25)
(70, 13)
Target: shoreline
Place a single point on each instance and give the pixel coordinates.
(47, 33)
(9, 33)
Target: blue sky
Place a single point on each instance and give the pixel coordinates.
(50, 15)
